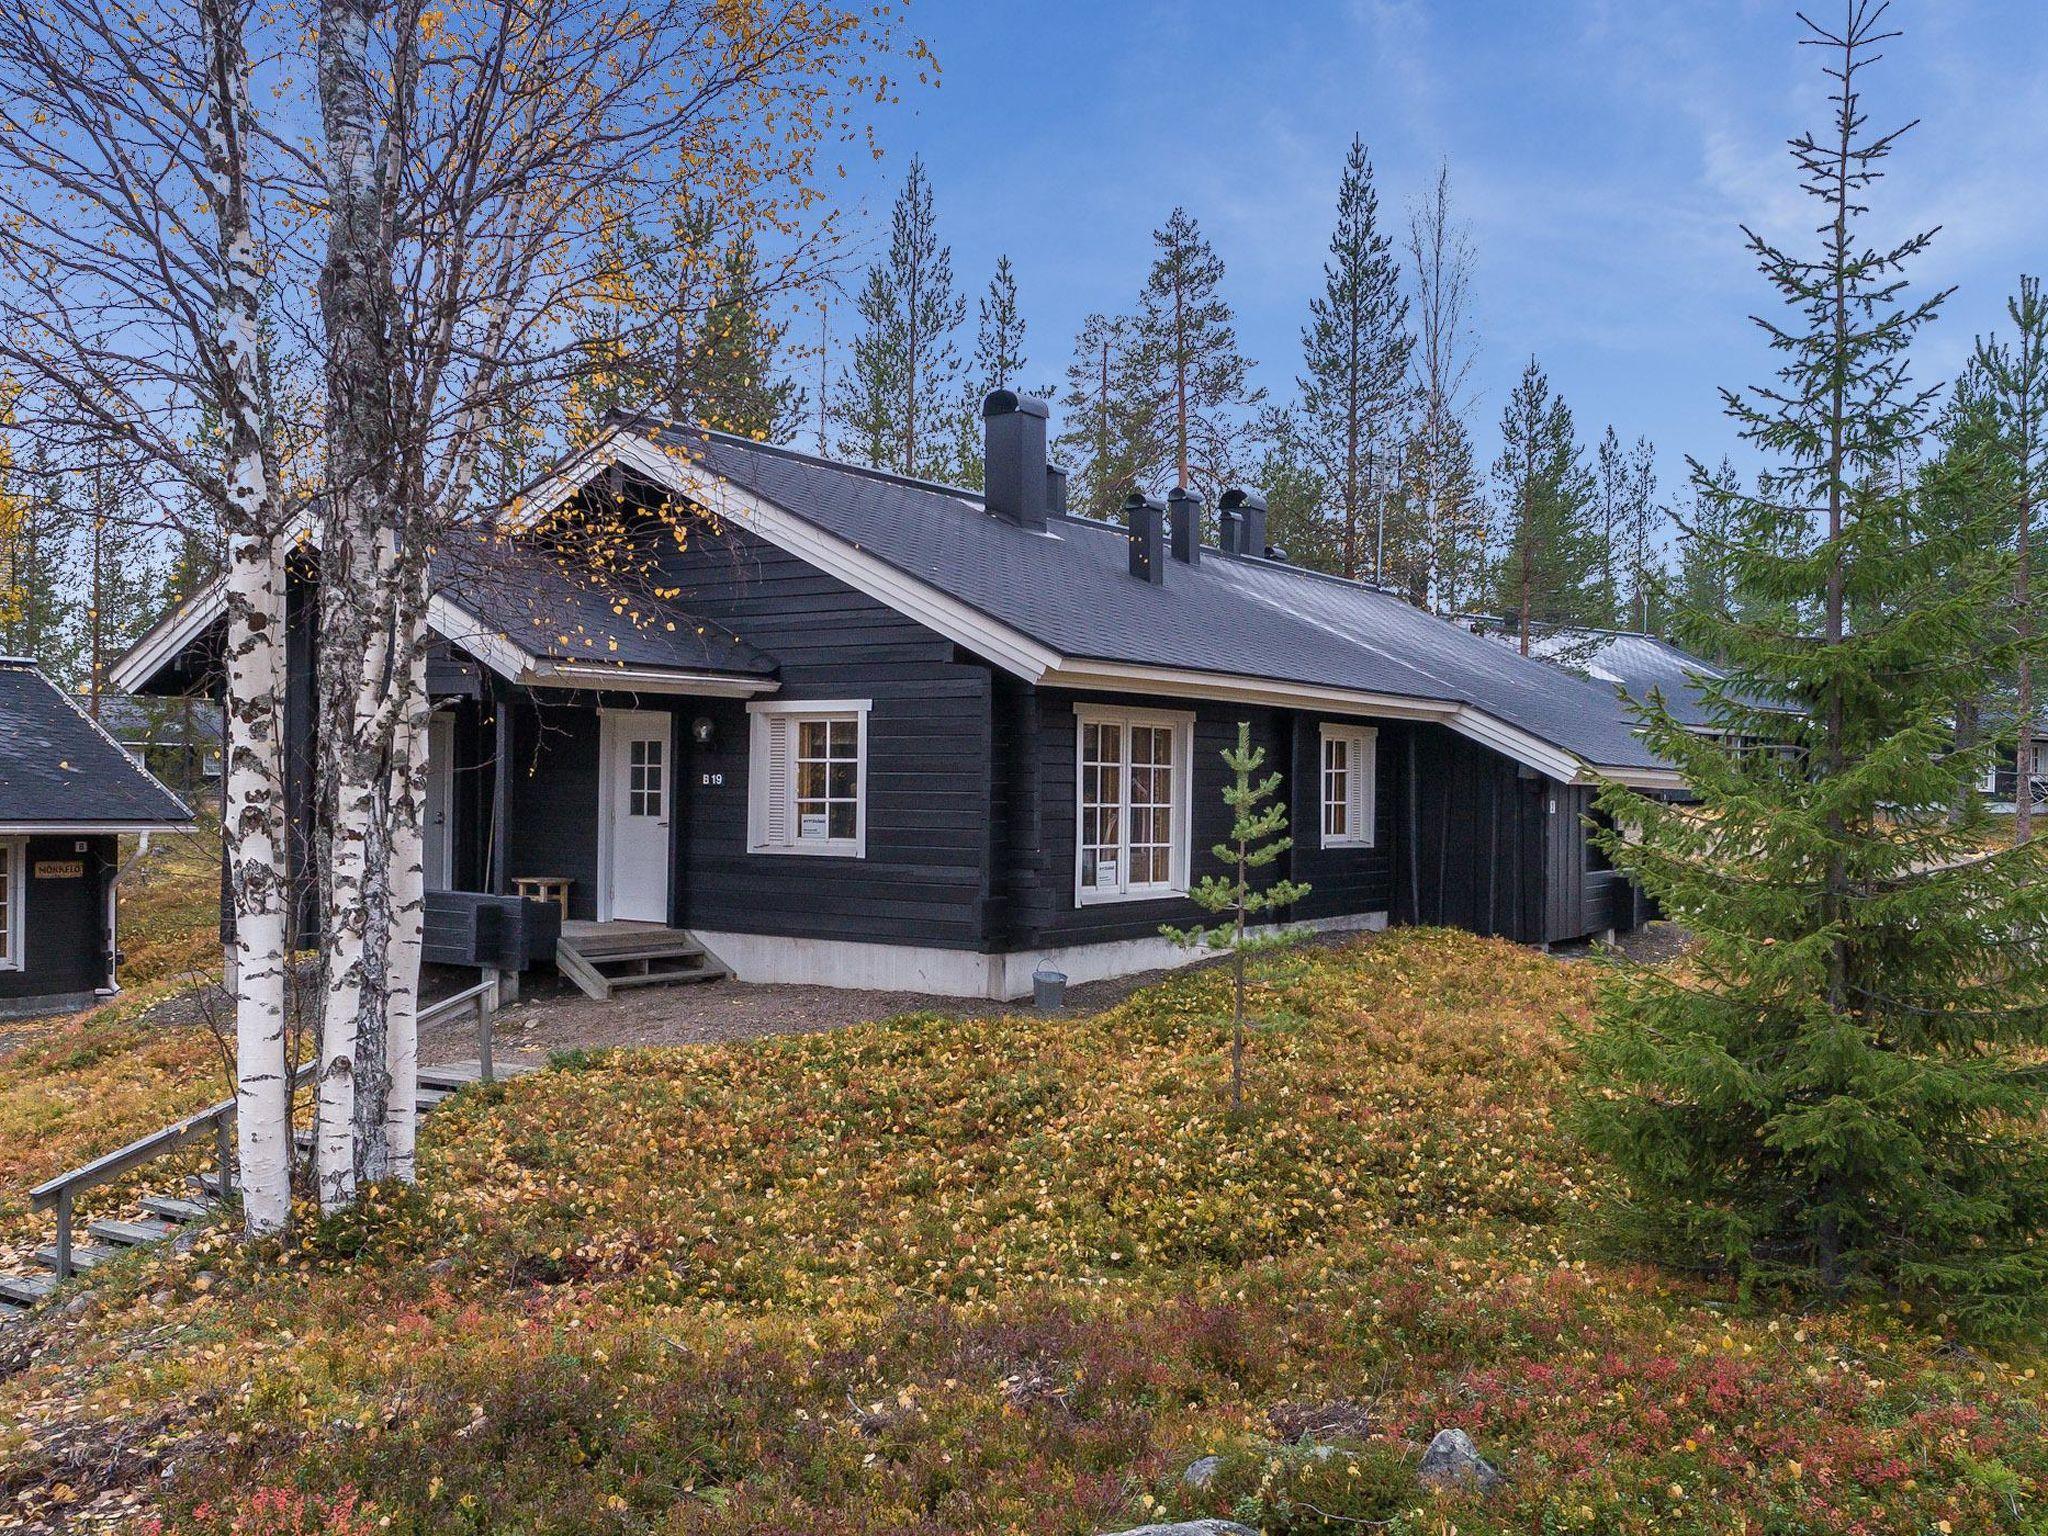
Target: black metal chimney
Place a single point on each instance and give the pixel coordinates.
(1013, 457)
(1184, 524)
(1146, 521)
(1055, 491)
(1250, 510)
(1229, 528)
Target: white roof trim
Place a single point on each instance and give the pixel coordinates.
(87, 828)
(1011, 649)
(168, 636)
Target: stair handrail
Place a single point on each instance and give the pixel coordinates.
(62, 1191)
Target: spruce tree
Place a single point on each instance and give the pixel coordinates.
(1546, 494)
(1610, 498)
(2015, 376)
(896, 398)
(124, 574)
(1299, 515)
(1202, 382)
(1842, 1090)
(1354, 384)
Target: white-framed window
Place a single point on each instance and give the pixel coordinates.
(13, 887)
(807, 784)
(1132, 777)
(1350, 773)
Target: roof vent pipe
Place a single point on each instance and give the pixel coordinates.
(1146, 521)
(1229, 529)
(1184, 525)
(1250, 508)
(1013, 458)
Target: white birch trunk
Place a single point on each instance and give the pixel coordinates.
(252, 808)
(253, 827)
(408, 896)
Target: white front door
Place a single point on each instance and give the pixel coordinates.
(637, 780)
(437, 835)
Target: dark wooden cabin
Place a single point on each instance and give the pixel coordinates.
(68, 793)
(861, 730)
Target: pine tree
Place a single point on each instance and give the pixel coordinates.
(1111, 437)
(1258, 836)
(896, 398)
(1706, 571)
(729, 377)
(1354, 386)
(1546, 495)
(38, 568)
(998, 362)
(1841, 1091)
(1202, 383)
(1640, 570)
(2015, 376)
(124, 576)
(1610, 495)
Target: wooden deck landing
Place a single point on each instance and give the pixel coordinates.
(600, 958)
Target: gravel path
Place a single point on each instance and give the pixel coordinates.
(554, 1016)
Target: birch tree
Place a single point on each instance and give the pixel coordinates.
(466, 158)
(132, 175)
(1442, 484)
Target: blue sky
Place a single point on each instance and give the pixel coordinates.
(1601, 151)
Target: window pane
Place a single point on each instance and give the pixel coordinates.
(811, 737)
(845, 737)
(840, 818)
(843, 780)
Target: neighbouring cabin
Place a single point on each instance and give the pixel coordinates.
(68, 792)
(859, 730)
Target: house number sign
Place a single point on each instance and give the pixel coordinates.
(711, 780)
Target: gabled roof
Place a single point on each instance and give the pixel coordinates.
(1058, 608)
(1061, 607)
(60, 772)
(1633, 664)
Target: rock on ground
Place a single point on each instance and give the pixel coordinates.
(1188, 1528)
(1453, 1458)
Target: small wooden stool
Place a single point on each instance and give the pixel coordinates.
(553, 888)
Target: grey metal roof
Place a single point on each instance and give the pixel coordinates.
(1070, 589)
(57, 768)
(1632, 663)
(541, 605)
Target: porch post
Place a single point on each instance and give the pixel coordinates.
(501, 787)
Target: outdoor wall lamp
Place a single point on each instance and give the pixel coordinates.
(702, 730)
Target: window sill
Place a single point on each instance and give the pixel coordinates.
(1347, 842)
(841, 849)
(1110, 898)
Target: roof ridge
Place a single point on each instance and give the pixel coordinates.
(782, 451)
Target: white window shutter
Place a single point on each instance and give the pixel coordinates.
(775, 829)
(1364, 786)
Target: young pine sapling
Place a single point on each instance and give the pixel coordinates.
(1258, 836)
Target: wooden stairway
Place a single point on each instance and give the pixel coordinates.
(163, 1215)
(602, 958)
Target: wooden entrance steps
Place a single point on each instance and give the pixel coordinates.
(603, 958)
(163, 1215)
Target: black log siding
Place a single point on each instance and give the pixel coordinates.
(1040, 904)
(551, 803)
(1341, 880)
(64, 921)
(931, 800)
